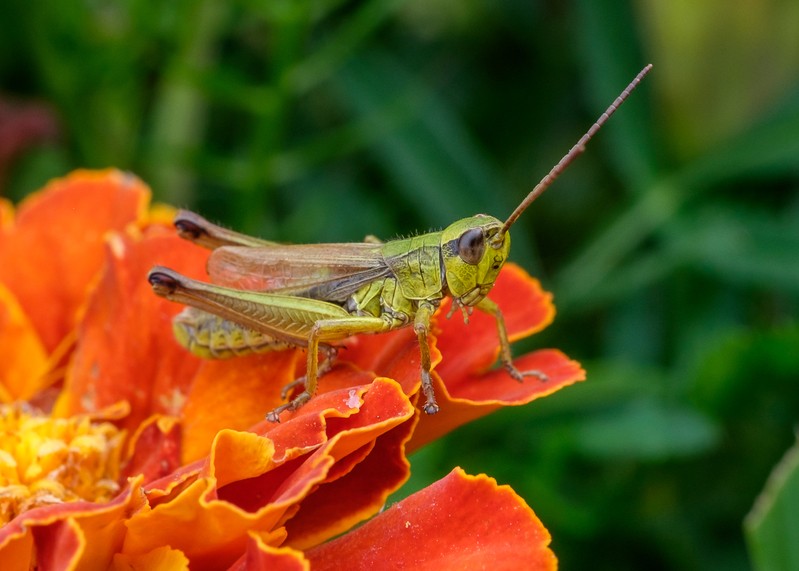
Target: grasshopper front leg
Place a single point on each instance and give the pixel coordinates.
(421, 325)
(488, 306)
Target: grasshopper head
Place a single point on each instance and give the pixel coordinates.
(473, 257)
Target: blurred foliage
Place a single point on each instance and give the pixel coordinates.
(771, 525)
(672, 245)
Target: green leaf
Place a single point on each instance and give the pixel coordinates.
(772, 527)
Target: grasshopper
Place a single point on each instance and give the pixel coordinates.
(268, 296)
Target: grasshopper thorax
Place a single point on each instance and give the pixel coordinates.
(473, 257)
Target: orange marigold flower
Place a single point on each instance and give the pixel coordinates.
(122, 450)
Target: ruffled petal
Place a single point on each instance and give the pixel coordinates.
(65, 533)
(159, 559)
(257, 481)
(395, 355)
(476, 395)
(346, 501)
(261, 556)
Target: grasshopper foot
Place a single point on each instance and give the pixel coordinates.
(294, 404)
(430, 405)
(430, 408)
(519, 375)
(305, 395)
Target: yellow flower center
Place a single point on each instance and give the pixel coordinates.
(46, 460)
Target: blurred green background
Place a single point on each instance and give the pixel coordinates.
(671, 245)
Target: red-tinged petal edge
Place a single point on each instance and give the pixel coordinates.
(64, 533)
(472, 396)
(460, 522)
(254, 483)
(260, 556)
(346, 501)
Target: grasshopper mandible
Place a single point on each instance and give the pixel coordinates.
(268, 296)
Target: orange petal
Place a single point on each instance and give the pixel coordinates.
(343, 423)
(237, 393)
(233, 393)
(23, 360)
(82, 533)
(260, 556)
(125, 348)
(460, 522)
(254, 483)
(341, 504)
(526, 306)
(160, 559)
(53, 250)
(6, 215)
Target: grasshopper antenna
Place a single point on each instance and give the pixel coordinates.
(575, 151)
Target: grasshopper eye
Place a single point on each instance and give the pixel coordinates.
(471, 246)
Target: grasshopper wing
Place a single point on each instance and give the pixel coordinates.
(331, 272)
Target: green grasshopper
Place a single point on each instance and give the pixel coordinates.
(268, 296)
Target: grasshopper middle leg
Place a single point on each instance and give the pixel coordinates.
(324, 331)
